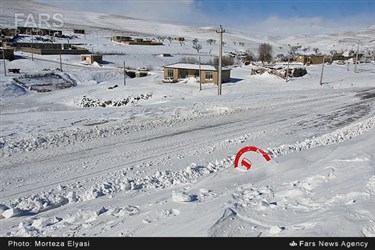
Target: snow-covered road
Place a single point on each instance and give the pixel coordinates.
(192, 152)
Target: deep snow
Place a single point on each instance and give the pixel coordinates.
(162, 163)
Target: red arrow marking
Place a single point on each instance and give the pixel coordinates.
(246, 163)
(250, 148)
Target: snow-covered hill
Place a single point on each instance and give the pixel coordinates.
(98, 25)
(335, 41)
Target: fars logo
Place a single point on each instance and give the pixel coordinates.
(293, 244)
(40, 20)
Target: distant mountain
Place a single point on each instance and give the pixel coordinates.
(109, 25)
(334, 41)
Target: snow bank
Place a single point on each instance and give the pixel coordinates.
(13, 144)
(88, 102)
(11, 90)
(180, 196)
(337, 136)
(42, 201)
(163, 179)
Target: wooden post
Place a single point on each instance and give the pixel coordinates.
(60, 64)
(5, 68)
(321, 75)
(287, 71)
(124, 75)
(200, 79)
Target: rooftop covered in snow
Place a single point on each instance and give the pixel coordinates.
(194, 66)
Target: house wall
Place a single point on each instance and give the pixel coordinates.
(301, 59)
(225, 75)
(43, 45)
(38, 31)
(55, 51)
(121, 38)
(8, 32)
(203, 76)
(76, 31)
(96, 58)
(8, 54)
(139, 42)
(316, 59)
(191, 73)
(313, 59)
(92, 58)
(175, 73)
(85, 58)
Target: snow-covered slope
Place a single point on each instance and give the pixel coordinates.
(335, 41)
(107, 24)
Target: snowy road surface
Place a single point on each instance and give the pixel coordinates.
(165, 175)
(147, 158)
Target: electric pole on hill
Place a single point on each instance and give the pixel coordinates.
(287, 70)
(124, 75)
(358, 42)
(321, 74)
(32, 44)
(220, 31)
(200, 79)
(60, 63)
(356, 58)
(5, 68)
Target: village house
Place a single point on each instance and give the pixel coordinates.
(134, 41)
(310, 59)
(51, 48)
(78, 31)
(5, 32)
(39, 31)
(209, 73)
(165, 55)
(90, 58)
(45, 48)
(7, 54)
(120, 39)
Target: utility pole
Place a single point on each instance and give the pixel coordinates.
(60, 63)
(356, 58)
(124, 75)
(356, 54)
(287, 70)
(220, 31)
(200, 79)
(5, 68)
(321, 74)
(32, 44)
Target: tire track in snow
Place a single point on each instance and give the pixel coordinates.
(337, 136)
(42, 201)
(99, 147)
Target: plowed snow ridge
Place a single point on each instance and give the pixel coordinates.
(62, 195)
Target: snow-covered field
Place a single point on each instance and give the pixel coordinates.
(162, 162)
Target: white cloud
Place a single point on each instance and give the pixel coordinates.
(183, 11)
(275, 26)
(191, 12)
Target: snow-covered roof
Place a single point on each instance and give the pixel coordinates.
(194, 66)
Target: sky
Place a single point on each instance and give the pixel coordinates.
(267, 16)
